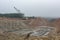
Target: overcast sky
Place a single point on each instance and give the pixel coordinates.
(44, 8)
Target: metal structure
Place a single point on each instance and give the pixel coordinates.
(17, 9)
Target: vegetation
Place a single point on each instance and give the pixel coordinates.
(12, 15)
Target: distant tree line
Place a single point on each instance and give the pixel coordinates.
(12, 15)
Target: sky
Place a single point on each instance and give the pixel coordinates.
(43, 8)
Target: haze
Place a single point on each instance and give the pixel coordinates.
(44, 8)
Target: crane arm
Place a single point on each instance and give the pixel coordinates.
(17, 9)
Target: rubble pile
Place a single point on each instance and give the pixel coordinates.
(37, 22)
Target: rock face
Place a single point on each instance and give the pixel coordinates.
(56, 24)
(17, 27)
(8, 24)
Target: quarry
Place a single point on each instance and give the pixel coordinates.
(28, 29)
(29, 19)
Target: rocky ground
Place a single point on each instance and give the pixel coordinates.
(17, 29)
